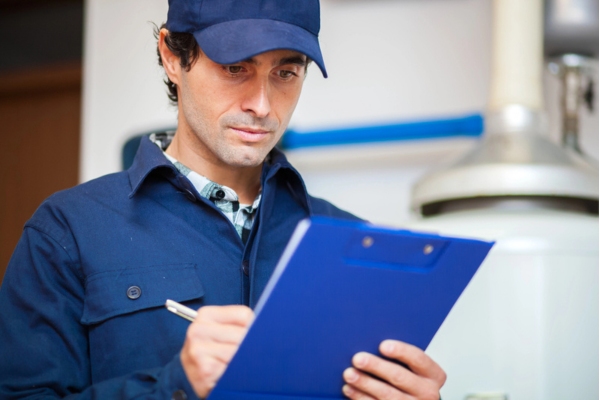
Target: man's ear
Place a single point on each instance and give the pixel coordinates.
(170, 61)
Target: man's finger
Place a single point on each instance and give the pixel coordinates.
(203, 351)
(233, 314)
(371, 387)
(415, 358)
(355, 394)
(217, 332)
(396, 375)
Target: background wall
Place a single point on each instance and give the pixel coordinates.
(388, 61)
(40, 106)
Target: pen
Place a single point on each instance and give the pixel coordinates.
(181, 310)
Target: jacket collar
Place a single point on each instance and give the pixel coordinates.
(148, 158)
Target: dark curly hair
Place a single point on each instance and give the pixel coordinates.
(184, 46)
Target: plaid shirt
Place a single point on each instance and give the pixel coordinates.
(240, 215)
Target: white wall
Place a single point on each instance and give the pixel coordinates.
(123, 92)
(394, 60)
(388, 61)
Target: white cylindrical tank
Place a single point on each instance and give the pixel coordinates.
(526, 327)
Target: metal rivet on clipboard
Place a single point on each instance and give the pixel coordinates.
(428, 249)
(367, 242)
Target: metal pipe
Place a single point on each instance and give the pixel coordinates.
(517, 55)
(571, 81)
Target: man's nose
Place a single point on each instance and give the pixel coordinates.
(257, 99)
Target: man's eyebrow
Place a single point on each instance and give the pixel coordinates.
(296, 60)
(250, 60)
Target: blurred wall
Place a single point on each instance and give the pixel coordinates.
(38, 33)
(40, 104)
(388, 61)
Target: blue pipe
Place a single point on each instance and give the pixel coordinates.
(471, 125)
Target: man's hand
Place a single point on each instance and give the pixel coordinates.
(422, 381)
(211, 341)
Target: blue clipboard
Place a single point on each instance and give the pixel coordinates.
(342, 287)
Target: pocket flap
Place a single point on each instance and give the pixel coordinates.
(124, 291)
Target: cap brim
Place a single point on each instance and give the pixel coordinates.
(233, 41)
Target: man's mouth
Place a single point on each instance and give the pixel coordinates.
(249, 133)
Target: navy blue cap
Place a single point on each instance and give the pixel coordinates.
(229, 31)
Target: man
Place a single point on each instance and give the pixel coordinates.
(201, 217)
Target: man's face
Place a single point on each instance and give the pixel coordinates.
(234, 115)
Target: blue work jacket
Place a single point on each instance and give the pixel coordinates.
(82, 302)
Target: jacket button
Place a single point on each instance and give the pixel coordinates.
(219, 194)
(179, 395)
(134, 292)
(190, 195)
(246, 267)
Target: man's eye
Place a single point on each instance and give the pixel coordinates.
(234, 69)
(286, 74)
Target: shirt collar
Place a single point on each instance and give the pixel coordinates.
(205, 187)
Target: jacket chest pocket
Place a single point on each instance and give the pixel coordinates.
(115, 293)
(129, 328)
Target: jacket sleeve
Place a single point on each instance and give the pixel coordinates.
(325, 208)
(44, 347)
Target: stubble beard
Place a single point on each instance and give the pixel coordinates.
(240, 158)
(223, 146)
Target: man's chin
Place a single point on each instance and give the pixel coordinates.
(243, 156)
(245, 161)
(246, 164)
